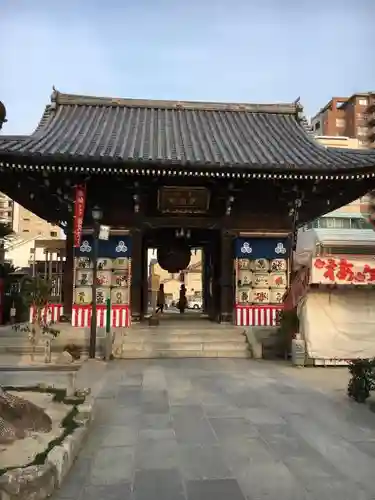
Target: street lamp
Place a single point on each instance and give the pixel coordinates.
(97, 215)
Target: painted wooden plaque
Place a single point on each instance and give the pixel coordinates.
(261, 265)
(83, 263)
(183, 199)
(104, 264)
(83, 295)
(261, 296)
(276, 295)
(104, 278)
(84, 277)
(120, 278)
(261, 280)
(244, 296)
(121, 263)
(245, 278)
(120, 296)
(244, 264)
(102, 294)
(278, 265)
(278, 280)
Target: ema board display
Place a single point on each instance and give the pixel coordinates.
(113, 275)
(261, 270)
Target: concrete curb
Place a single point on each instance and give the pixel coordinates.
(73, 367)
(38, 482)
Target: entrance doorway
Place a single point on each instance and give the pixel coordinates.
(191, 278)
(207, 293)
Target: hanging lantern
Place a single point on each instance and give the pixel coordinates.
(174, 257)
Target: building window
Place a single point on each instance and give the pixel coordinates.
(362, 131)
(340, 122)
(53, 234)
(339, 223)
(317, 126)
(26, 219)
(25, 231)
(362, 102)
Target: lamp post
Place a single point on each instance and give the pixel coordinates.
(96, 217)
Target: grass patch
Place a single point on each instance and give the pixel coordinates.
(68, 424)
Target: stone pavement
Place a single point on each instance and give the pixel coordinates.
(223, 430)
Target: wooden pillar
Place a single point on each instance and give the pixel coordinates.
(137, 275)
(145, 284)
(226, 275)
(205, 281)
(67, 275)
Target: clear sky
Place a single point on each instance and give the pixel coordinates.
(217, 50)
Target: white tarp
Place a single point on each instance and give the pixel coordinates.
(338, 324)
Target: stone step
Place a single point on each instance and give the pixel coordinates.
(188, 327)
(39, 349)
(175, 337)
(184, 346)
(177, 353)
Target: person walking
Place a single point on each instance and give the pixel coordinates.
(182, 303)
(160, 301)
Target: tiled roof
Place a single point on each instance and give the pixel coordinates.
(256, 137)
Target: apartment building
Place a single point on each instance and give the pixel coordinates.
(24, 223)
(371, 121)
(6, 210)
(28, 225)
(347, 117)
(347, 226)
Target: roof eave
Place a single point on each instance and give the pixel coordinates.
(59, 163)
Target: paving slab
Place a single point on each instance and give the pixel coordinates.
(223, 429)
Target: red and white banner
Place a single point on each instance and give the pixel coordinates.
(340, 271)
(79, 212)
(50, 313)
(120, 316)
(258, 315)
(81, 315)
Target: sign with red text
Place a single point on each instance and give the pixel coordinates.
(341, 271)
(79, 212)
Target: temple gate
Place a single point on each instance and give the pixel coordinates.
(238, 178)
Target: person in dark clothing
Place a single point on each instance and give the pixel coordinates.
(182, 303)
(160, 302)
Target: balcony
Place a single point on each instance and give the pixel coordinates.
(371, 107)
(371, 119)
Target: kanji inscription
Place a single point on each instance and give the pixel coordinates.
(183, 200)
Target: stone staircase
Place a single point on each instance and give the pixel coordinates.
(176, 339)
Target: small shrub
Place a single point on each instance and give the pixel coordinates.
(362, 379)
(74, 350)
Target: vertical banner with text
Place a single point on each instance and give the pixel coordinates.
(79, 212)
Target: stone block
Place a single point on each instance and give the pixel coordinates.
(64, 358)
(59, 458)
(29, 483)
(256, 347)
